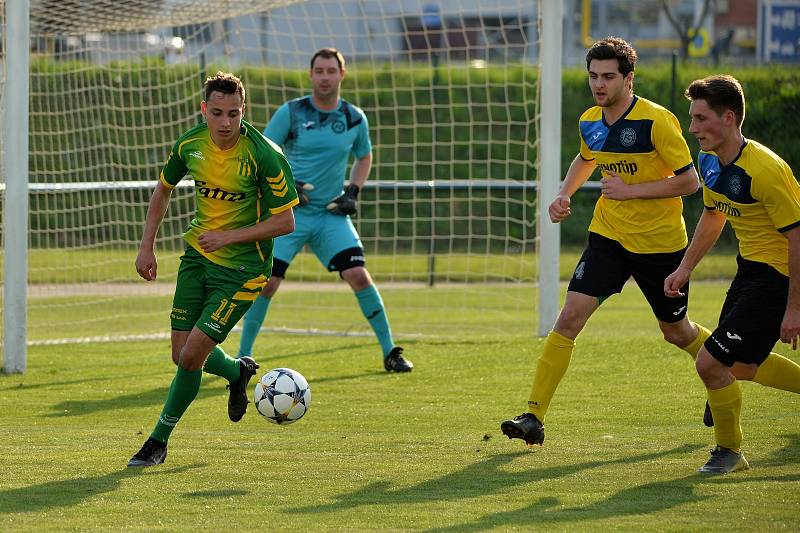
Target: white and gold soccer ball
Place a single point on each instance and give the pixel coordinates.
(282, 396)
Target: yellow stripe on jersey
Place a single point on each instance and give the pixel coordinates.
(253, 288)
(276, 179)
(256, 283)
(254, 161)
(165, 182)
(246, 296)
(278, 185)
(186, 141)
(284, 207)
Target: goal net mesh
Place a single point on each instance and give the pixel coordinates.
(447, 219)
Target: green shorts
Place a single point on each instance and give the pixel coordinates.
(211, 297)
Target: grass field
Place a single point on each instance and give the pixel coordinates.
(398, 452)
(117, 265)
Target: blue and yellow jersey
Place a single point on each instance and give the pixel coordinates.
(318, 144)
(644, 145)
(759, 195)
(234, 188)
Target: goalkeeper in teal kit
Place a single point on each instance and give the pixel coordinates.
(318, 133)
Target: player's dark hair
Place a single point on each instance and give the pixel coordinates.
(720, 92)
(613, 48)
(223, 82)
(327, 53)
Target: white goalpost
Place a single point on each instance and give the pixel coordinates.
(464, 103)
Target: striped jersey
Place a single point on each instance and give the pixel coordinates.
(234, 188)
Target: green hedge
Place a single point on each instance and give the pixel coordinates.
(93, 123)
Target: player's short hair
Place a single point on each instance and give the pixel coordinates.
(223, 82)
(720, 92)
(613, 48)
(327, 53)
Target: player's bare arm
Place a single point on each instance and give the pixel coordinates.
(790, 327)
(579, 171)
(146, 263)
(360, 171)
(275, 226)
(708, 230)
(615, 188)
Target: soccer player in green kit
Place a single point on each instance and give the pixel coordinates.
(748, 185)
(244, 193)
(319, 132)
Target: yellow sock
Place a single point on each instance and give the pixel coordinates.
(726, 406)
(779, 372)
(550, 369)
(693, 347)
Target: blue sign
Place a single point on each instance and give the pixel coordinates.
(779, 30)
(431, 17)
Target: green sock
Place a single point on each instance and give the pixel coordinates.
(182, 392)
(221, 364)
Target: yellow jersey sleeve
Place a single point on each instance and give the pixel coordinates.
(780, 196)
(669, 142)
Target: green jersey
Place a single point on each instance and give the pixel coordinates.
(234, 188)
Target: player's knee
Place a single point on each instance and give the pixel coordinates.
(744, 371)
(680, 333)
(571, 321)
(678, 338)
(190, 361)
(357, 277)
(711, 371)
(272, 287)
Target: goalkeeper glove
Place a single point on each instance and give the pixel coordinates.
(302, 188)
(346, 203)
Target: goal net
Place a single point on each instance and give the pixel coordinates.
(447, 219)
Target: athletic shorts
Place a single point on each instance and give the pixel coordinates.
(211, 297)
(605, 266)
(750, 320)
(327, 235)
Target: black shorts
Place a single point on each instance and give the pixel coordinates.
(344, 260)
(605, 266)
(750, 320)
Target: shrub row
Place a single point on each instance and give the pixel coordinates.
(116, 122)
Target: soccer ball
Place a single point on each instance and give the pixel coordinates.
(282, 396)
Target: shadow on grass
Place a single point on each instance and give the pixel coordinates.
(69, 492)
(639, 500)
(790, 453)
(24, 387)
(211, 386)
(476, 480)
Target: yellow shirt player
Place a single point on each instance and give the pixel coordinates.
(644, 145)
(637, 229)
(244, 194)
(747, 184)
